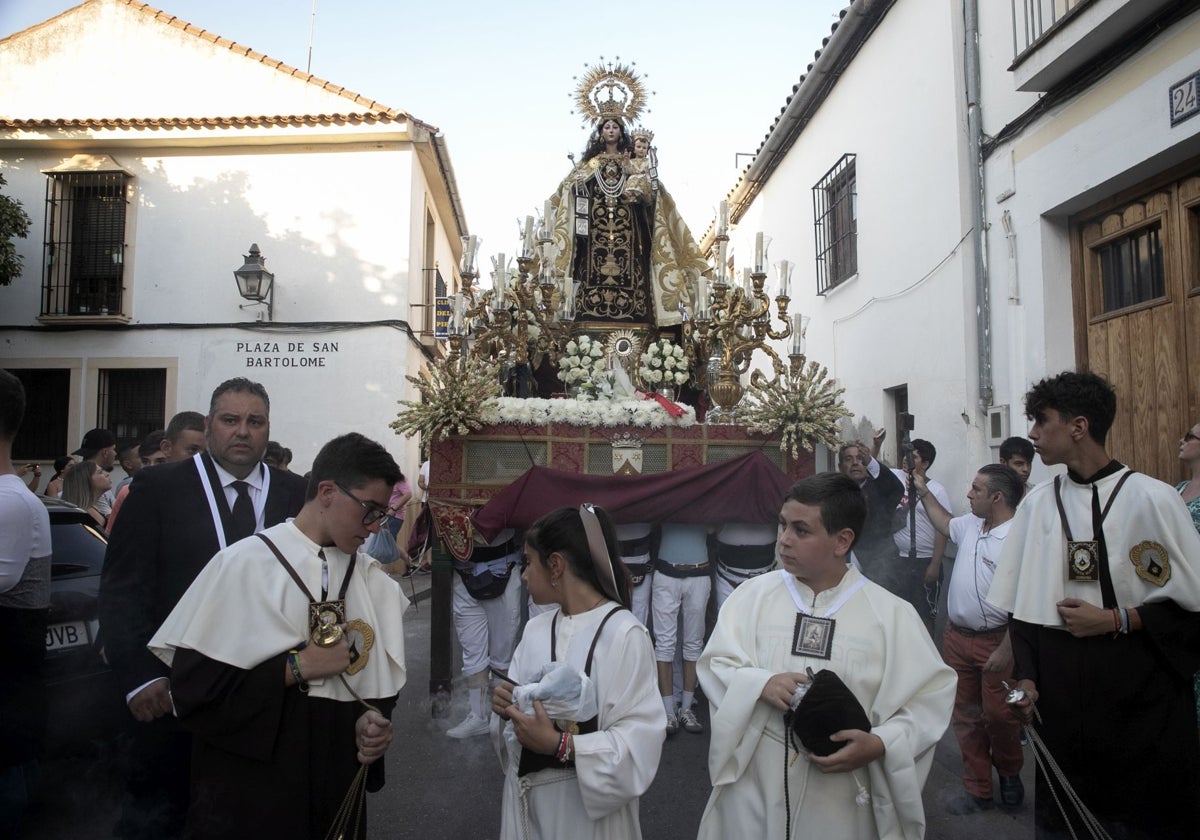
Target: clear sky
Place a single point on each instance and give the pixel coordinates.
(496, 78)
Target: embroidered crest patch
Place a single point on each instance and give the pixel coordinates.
(362, 639)
(1151, 562)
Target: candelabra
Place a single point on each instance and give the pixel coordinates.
(525, 316)
(734, 321)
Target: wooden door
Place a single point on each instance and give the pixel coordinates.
(1135, 264)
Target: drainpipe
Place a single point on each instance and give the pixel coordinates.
(983, 304)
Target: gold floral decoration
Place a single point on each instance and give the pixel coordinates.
(452, 398)
(804, 408)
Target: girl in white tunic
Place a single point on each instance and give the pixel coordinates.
(580, 779)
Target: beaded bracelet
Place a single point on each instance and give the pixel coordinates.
(293, 659)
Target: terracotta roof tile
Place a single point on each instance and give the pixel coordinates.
(208, 122)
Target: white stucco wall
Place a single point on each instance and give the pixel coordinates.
(333, 224)
(907, 318)
(341, 381)
(338, 210)
(149, 69)
(1111, 136)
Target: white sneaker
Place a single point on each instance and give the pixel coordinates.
(687, 719)
(472, 726)
(672, 723)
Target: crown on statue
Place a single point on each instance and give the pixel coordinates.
(610, 91)
(642, 133)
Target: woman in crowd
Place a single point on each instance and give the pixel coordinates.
(62, 465)
(580, 778)
(84, 485)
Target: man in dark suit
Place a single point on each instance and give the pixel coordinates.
(176, 517)
(875, 550)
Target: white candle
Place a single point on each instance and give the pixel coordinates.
(785, 278)
(501, 279)
(568, 298)
(799, 326)
(548, 217)
(723, 218)
(747, 282)
(527, 244)
(758, 252)
(721, 264)
(469, 254)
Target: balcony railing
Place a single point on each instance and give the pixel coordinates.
(1033, 20)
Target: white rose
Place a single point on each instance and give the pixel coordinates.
(656, 376)
(656, 363)
(680, 378)
(572, 347)
(678, 352)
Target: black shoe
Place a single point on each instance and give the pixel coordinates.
(968, 804)
(1012, 791)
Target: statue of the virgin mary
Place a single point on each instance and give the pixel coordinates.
(617, 232)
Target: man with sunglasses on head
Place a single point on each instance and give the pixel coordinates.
(176, 517)
(287, 654)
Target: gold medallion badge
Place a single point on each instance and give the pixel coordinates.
(362, 639)
(1151, 562)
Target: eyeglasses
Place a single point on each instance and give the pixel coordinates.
(1189, 436)
(372, 514)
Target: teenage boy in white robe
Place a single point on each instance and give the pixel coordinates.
(871, 787)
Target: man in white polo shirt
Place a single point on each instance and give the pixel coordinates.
(976, 644)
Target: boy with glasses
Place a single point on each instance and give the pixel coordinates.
(287, 654)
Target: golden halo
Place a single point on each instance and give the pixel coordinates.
(610, 90)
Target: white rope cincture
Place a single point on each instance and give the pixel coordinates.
(526, 783)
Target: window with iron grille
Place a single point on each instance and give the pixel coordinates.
(43, 434)
(1131, 268)
(132, 402)
(835, 211)
(84, 259)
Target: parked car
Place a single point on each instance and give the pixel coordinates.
(85, 705)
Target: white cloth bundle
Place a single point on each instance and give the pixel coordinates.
(565, 693)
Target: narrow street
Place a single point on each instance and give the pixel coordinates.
(442, 788)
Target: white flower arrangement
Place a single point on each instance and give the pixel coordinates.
(663, 364)
(536, 412)
(803, 408)
(583, 361)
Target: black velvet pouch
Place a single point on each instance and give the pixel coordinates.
(827, 707)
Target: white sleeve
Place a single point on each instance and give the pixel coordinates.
(733, 682)
(16, 540)
(619, 761)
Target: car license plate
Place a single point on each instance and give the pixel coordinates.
(67, 635)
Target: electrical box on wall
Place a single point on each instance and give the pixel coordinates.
(997, 425)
